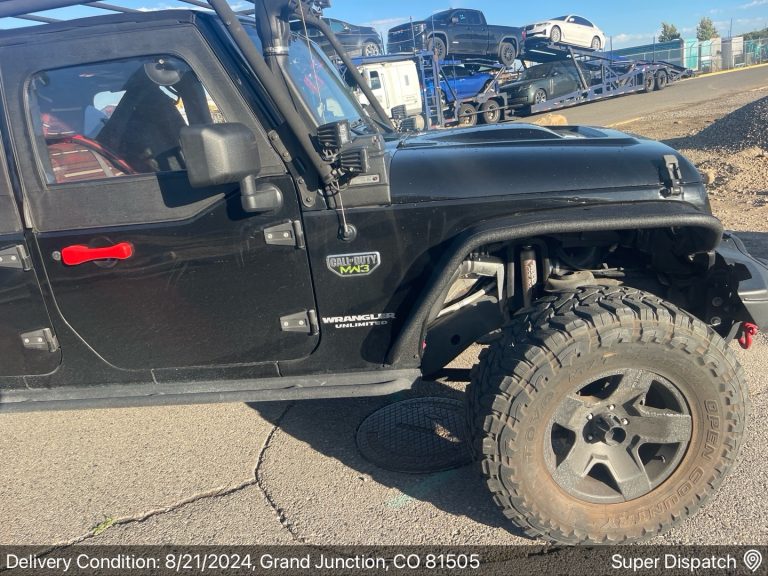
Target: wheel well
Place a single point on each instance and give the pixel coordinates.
(695, 233)
(512, 41)
(442, 37)
(496, 281)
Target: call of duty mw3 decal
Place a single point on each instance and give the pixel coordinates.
(351, 265)
(360, 320)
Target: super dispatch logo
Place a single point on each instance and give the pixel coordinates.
(350, 265)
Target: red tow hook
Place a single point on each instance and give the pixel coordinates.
(748, 331)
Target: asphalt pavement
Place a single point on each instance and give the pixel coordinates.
(290, 472)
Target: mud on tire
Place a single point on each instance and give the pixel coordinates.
(608, 364)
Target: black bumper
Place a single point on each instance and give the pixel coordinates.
(753, 291)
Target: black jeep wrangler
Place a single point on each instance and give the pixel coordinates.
(193, 208)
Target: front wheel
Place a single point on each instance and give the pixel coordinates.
(507, 53)
(540, 96)
(556, 35)
(605, 415)
(371, 49)
(437, 47)
(596, 44)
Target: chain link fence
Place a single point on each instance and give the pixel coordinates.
(707, 56)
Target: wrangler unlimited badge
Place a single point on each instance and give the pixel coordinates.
(348, 265)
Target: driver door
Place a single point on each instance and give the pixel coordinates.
(148, 272)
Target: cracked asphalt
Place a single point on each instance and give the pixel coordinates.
(285, 473)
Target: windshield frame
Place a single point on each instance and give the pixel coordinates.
(319, 62)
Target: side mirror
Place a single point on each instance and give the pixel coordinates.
(218, 154)
(455, 20)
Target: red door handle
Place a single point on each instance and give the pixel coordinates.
(79, 254)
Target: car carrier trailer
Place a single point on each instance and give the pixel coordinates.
(600, 76)
(386, 75)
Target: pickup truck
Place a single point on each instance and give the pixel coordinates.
(458, 33)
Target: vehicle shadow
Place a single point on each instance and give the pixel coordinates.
(756, 242)
(329, 427)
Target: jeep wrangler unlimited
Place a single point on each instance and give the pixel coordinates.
(193, 208)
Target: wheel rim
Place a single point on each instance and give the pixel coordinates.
(596, 44)
(491, 113)
(619, 437)
(371, 50)
(466, 117)
(649, 82)
(540, 97)
(556, 35)
(439, 49)
(509, 53)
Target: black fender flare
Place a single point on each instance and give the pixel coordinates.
(707, 232)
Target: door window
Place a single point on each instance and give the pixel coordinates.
(468, 18)
(116, 119)
(337, 27)
(582, 21)
(375, 81)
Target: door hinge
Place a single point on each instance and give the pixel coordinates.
(288, 234)
(15, 257)
(43, 339)
(304, 322)
(671, 176)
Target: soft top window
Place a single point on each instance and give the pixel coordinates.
(116, 118)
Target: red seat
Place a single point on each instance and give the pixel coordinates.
(74, 157)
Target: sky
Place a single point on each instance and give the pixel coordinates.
(627, 22)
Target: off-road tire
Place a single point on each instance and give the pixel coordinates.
(556, 346)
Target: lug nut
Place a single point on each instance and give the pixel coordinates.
(590, 438)
(624, 421)
(611, 407)
(589, 416)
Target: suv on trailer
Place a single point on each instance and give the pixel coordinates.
(194, 208)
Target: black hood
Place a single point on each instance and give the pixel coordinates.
(523, 159)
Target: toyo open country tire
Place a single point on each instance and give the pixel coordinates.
(659, 416)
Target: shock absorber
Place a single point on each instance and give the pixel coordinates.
(529, 273)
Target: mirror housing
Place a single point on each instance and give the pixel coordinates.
(219, 154)
(454, 19)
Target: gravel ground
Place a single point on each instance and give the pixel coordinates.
(727, 139)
